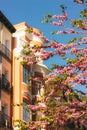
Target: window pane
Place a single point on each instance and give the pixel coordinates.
(25, 74)
(26, 112)
(38, 88)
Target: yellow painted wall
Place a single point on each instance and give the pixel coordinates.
(17, 70)
(16, 89)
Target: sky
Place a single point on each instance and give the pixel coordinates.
(33, 12)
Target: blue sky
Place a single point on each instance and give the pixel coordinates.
(33, 11)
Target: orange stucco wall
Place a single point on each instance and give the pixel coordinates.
(6, 102)
(18, 90)
(5, 95)
(17, 71)
(6, 66)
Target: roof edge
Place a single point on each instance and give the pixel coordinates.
(7, 23)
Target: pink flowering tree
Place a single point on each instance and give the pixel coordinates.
(64, 106)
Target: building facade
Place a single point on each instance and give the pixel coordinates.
(15, 93)
(6, 30)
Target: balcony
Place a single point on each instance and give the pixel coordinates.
(5, 84)
(5, 52)
(5, 122)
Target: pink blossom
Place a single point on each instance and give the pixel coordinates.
(54, 44)
(36, 33)
(67, 92)
(57, 23)
(84, 39)
(74, 50)
(67, 68)
(57, 99)
(30, 63)
(59, 52)
(82, 103)
(78, 1)
(85, 73)
(45, 55)
(69, 80)
(76, 114)
(45, 39)
(82, 81)
(61, 32)
(82, 67)
(61, 122)
(83, 122)
(43, 105)
(85, 50)
(85, 62)
(51, 93)
(60, 16)
(26, 58)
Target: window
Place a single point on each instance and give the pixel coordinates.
(7, 48)
(5, 109)
(26, 112)
(38, 85)
(25, 74)
(7, 44)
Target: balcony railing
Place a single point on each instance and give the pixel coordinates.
(5, 121)
(4, 51)
(4, 83)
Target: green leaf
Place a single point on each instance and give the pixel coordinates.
(84, 13)
(53, 32)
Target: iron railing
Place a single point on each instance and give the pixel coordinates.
(5, 121)
(4, 51)
(4, 83)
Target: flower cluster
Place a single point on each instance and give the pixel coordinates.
(63, 106)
